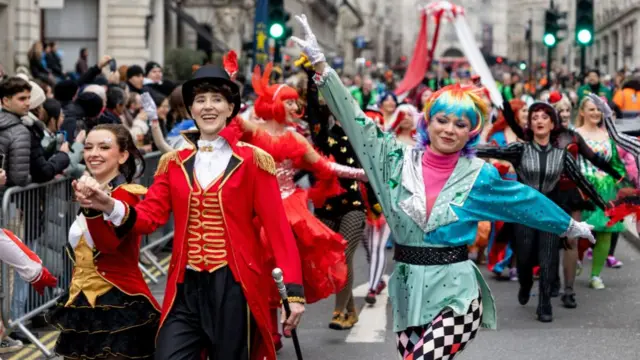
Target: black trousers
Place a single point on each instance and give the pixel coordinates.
(209, 313)
(537, 247)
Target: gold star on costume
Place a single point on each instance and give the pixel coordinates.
(354, 186)
(350, 161)
(343, 149)
(331, 142)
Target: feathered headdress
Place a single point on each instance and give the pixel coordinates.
(270, 102)
(230, 64)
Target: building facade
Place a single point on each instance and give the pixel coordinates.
(122, 29)
(617, 33)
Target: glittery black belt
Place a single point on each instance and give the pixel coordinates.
(417, 255)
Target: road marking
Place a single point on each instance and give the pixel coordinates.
(372, 325)
(28, 350)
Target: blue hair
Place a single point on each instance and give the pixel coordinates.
(458, 101)
(385, 95)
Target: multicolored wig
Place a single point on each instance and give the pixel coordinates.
(270, 102)
(458, 100)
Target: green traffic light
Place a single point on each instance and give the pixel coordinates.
(549, 40)
(276, 31)
(584, 36)
(523, 66)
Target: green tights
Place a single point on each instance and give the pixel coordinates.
(600, 252)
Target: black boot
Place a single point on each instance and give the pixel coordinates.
(524, 293)
(569, 300)
(545, 314)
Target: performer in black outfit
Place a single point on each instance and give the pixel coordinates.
(540, 164)
(344, 213)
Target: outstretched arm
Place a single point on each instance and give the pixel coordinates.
(572, 170)
(511, 153)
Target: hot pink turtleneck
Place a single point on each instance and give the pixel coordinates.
(436, 170)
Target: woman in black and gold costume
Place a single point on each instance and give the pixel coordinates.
(108, 311)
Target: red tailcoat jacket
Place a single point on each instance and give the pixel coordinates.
(248, 189)
(117, 252)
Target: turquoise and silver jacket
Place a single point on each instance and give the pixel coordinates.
(474, 192)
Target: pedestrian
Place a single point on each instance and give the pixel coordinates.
(434, 286)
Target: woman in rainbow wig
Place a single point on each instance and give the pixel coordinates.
(433, 195)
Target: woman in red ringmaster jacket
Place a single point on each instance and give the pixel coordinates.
(215, 299)
(108, 310)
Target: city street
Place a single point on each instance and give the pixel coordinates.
(606, 324)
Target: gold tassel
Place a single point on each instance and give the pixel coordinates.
(163, 163)
(262, 159)
(135, 189)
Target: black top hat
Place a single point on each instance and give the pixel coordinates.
(214, 75)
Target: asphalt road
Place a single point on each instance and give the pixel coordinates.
(606, 324)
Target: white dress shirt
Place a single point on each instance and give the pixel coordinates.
(211, 160)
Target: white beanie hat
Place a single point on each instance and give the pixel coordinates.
(38, 96)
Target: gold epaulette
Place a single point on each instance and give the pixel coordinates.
(163, 163)
(135, 189)
(262, 158)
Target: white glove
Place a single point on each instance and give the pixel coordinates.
(309, 45)
(149, 106)
(579, 229)
(601, 105)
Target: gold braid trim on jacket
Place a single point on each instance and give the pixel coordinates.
(262, 158)
(163, 163)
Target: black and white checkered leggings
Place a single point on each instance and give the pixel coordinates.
(444, 338)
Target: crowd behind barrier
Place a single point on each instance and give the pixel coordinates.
(41, 215)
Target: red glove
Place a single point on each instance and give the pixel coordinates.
(45, 280)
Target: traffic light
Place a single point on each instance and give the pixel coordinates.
(278, 18)
(584, 22)
(550, 34)
(554, 22)
(523, 65)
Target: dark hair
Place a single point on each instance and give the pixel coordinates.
(553, 115)
(82, 51)
(115, 97)
(52, 110)
(52, 43)
(595, 71)
(224, 90)
(12, 86)
(65, 90)
(134, 166)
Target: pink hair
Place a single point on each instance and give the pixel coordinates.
(270, 102)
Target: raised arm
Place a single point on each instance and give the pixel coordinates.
(629, 143)
(318, 124)
(573, 172)
(510, 117)
(585, 151)
(379, 153)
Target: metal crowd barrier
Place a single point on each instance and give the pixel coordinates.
(41, 215)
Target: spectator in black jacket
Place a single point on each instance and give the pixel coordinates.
(42, 168)
(135, 79)
(15, 139)
(53, 60)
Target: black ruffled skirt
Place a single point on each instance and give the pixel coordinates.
(119, 325)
